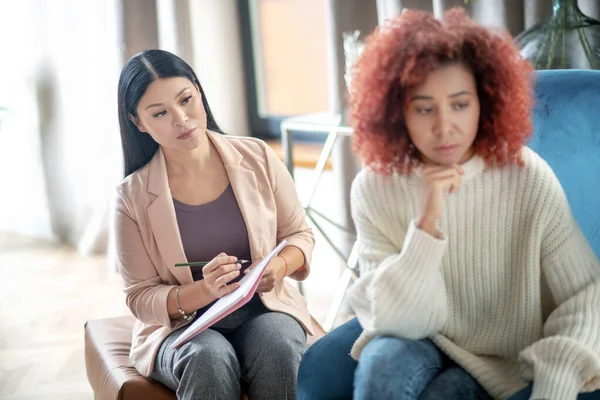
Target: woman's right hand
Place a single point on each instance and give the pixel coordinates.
(435, 180)
(218, 273)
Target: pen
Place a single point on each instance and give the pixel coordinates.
(203, 263)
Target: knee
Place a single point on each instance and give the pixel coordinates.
(214, 359)
(397, 361)
(286, 352)
(455, 376)
(455, 383)
(332, 352)
(312, 361)
(318, 375)
(326, 369)
(324, 365)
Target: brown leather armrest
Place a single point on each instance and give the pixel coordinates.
(109, 370)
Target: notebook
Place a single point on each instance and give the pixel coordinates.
(230, 302)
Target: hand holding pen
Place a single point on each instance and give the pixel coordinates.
(218, 272)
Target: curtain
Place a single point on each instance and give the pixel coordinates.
(59, 149)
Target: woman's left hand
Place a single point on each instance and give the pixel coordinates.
(274, 272)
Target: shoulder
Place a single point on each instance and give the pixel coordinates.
(248, 146)
(368, 181)
(537, 173)
(134, 183)
(259, 157)
(536, 183)
(372, 190)
(534, 163)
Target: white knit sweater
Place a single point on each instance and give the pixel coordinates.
(512, 291)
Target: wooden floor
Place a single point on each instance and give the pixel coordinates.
(47, 292)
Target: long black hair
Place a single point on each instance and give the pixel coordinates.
(139, 72)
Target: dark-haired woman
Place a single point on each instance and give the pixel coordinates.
(192, 193)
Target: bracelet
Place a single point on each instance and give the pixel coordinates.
(183, 314)
(286, 265)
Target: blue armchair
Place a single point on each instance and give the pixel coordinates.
(566, 122)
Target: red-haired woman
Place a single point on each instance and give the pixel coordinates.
(475, 278)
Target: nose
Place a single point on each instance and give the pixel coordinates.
(180, 118)
(443, 124)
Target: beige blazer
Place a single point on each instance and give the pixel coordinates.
(148, 242)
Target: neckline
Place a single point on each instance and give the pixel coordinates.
(196, 207)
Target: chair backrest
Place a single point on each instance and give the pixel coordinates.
(566, 122)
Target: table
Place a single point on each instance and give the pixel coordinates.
(330, 125)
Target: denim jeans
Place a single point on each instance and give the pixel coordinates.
(389, 368)
(326, 370)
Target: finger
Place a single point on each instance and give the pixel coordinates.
(228, 289)
(231, 288)
(429, 169)
(218, 261)
(460, 169)
(265, 287)
(224, 279)
(262, 288)
(457, 183)
(226, 268)
(448, 182)
(252, 266)
(442, 179)
(442, 172)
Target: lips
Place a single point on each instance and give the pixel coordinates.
(186, 134)
(446, 149)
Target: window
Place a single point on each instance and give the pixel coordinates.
(285, 60)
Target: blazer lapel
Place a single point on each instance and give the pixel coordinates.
(163, 221)
(244, 185)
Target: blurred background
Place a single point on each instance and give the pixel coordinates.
(261, 62)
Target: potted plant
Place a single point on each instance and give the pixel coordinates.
(568, 39)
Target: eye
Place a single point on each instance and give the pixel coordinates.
(159, 114)
(460, 106)
(424, 110)
(186, 100)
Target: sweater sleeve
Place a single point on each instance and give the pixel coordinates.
(401, 292)
(567, 360)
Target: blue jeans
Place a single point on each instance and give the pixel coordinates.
(326, 370)
(389, 368)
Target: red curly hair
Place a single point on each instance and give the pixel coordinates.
(400, 55)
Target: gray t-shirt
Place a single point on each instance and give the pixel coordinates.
(209, 229)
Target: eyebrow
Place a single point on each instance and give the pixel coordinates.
(451, 96)
(160, 104)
